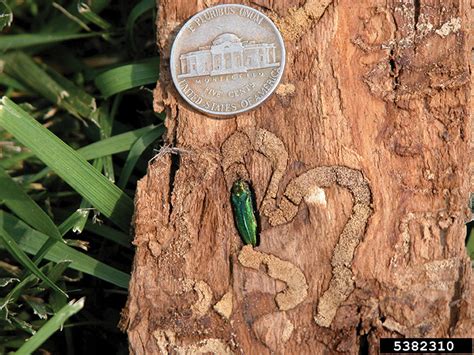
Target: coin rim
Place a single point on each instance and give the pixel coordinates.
(224, 114)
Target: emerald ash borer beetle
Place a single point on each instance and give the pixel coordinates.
(242, 199)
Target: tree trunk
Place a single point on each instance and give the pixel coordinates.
(360, 168)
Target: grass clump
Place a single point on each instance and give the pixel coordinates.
(77, 129)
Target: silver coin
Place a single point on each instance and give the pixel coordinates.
(227, 59)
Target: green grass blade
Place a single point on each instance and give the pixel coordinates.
(51, 326)
(57, 271)
(15, 159)
(71, 16)
(28, 210)
(64, 24)
(99, 229)
(44, 249)
(15, 251)
(116, 144)
(78, 102)
(38, 307)
(16, 292)
(21, 324)
(8, 81)
(35, 177)
(137, 149)
(86, 11)
(138, 10)
(72, 221)
(30, 241)
(128, 76)
(85, 206)
(113, 145)
(106, 128)
(68, 164)
(6, 15)
(24, 207)
(50, 85)
(10, 42)
(106, 121)
(110, 234)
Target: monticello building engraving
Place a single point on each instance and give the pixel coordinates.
(228, 55)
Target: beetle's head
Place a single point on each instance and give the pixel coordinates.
(240, 187)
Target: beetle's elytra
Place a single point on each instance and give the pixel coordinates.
(244, 212)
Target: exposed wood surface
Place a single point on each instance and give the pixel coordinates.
(360, 164)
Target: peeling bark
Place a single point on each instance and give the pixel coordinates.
(360, 165)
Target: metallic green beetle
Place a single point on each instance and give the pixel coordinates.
(244, 213)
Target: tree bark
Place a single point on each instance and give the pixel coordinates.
(360, 168)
